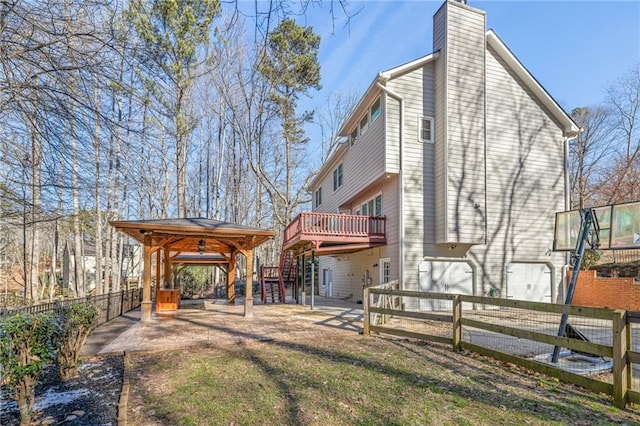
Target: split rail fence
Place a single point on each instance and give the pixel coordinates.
(520, 332)
(111, 305)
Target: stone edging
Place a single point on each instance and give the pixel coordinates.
(124, 392)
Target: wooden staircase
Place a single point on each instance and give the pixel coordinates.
(275, 279)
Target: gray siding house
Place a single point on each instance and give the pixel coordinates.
(463, 153)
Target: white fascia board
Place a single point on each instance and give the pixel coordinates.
(570, 128)
(409, 66)
(362, 105)
(374, 91)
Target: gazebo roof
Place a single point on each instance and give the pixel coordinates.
(183, 234)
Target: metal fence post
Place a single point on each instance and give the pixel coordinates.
(365, 316)
(620, 367)
(121, 302)
(457, 326)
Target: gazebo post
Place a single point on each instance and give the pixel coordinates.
(248, 288)
(158, 276)
(146, 286)
(231, 278)
(167, 266)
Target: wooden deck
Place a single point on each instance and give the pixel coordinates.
(335, 233)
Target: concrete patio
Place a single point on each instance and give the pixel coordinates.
(213, 322)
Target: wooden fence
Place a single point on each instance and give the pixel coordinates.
(389, 311)
(111, 305)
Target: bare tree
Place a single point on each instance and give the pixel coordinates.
(590, 154)
(620, 183)
(336, 110)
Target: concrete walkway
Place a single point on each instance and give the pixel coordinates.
(213, 322)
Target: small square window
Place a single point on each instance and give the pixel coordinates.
(425, 129)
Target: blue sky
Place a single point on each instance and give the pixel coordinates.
(575, 49)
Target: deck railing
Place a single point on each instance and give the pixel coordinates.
(334, 225)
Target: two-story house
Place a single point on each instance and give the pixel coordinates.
(451, 169)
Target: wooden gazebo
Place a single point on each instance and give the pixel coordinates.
(215, 241)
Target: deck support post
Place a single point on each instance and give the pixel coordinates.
(303, 279)
(313, 279)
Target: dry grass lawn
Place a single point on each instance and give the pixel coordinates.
(352, 381)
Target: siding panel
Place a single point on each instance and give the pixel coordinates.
(525, 177)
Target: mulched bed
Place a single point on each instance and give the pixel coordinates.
(90, 399)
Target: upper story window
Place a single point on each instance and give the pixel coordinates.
(364, 124)
(353, 137)
(318, 197)
(372, 113)
(375, 110)
(337, 177)
(425, 129)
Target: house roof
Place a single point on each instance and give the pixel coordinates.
(570, 128)
(184, 234)
(374, 89)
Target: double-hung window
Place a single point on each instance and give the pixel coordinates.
(318, 196)
(425, 129)
(337, 177)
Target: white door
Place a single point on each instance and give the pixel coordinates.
(445, 277)
(529, 281)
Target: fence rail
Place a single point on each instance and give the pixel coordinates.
(111, 305)
(600, 356)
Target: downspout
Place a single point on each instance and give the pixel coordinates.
(400, 99)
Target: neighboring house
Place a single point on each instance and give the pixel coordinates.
(459, 158)
(130, 268)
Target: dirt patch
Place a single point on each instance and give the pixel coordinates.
(91, 399)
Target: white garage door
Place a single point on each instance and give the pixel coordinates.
(445, 277)
(529, 281)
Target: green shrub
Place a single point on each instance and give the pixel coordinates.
(77, 323)
(590, 258)
(28, 342)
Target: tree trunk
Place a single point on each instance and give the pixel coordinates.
(98, 227)
(77, 231)
(26, 398)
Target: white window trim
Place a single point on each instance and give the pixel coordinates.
(431, 120)
(318, 197)
(381, 263)
(338, 178)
